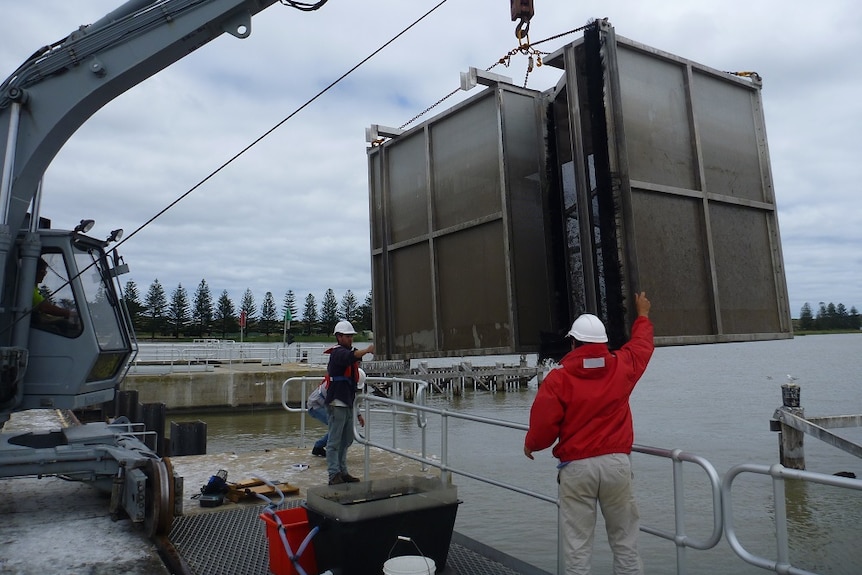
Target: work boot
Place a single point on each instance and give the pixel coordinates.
(319, 451)
(347, 478)
(336, 479)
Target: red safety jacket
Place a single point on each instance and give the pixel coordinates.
(584, 404)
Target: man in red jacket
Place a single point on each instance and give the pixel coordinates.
(584, 406)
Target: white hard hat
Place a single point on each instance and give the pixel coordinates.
(588, 329)
(360, 384)
(344, 327)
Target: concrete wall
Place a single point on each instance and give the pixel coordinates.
(223, 388)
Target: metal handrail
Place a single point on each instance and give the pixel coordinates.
(680, 539)
(229, 351)
(677, 456)
(442, 464)
(720, 489)
(778, 473)
(303, 380)
(421, 391)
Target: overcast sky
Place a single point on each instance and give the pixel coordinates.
(292, 214)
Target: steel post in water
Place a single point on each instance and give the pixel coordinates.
(188, 438)
(153, 418)
(126, 404)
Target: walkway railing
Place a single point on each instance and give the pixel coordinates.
(720, 491)
(678, 536)
(204, 355)
(779, 474)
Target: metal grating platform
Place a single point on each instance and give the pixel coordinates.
(234, 543)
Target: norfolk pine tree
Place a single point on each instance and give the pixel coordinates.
(268, 314)
(349, 309)
(202, 308)
(178, 312)
(289, 304)
(156, 303)
(132, 299)
(247, 305)
(225, 314)
(309, 314)
(329, 311)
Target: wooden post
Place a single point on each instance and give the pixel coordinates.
(791, 448)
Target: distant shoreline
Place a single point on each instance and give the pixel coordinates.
(825, 332)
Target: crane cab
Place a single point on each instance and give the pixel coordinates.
(79, 342)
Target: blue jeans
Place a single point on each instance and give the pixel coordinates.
(321, 415)
(340, 438)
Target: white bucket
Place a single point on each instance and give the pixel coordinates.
(410, 565)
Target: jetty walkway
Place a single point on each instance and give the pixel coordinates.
(256, 383)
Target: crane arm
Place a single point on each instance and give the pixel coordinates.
(61, 86)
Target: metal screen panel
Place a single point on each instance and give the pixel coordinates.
(501, 219)
(673, 193)
(658, 132)
(413, 329)
(408, 198)
(375, 194)
(746, 283)
(474, 304)
(480, 281)
(380, 301)
(676, 266)
(709, 200)
(733, 150)
(527, 209)
(466, 157)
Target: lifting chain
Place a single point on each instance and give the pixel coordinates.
(534, 58)
(429, 108)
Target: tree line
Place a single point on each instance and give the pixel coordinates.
(175, 315)
(828, 317)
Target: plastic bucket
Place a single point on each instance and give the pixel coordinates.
(296, 528)
(410, 565)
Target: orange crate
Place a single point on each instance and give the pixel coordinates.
(296, 529)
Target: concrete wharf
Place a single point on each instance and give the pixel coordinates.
(254, 383)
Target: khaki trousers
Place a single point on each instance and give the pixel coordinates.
(606, 480)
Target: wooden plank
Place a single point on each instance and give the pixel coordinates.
(836, 421)
(237, 494)
(805, 426)
(246, 483)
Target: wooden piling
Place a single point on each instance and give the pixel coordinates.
(791, 442)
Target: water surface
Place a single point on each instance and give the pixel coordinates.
(712, 400)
